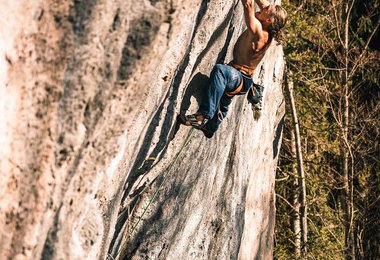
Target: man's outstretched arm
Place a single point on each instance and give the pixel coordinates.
(262, 3)
(249, 13)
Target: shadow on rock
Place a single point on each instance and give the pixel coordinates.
(196, 89)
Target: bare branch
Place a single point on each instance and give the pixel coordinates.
(349, 11)
(332, 69)
(285, 200)
(337, 23)
(355, 67)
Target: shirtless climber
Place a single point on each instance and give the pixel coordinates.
(235, 78)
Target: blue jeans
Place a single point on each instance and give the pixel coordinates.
(214, 105)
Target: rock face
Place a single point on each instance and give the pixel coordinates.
(94, 165)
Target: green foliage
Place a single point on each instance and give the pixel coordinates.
(316, 55)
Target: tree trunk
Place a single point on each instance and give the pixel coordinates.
(294, 199)
(347, 177)
(300, 167)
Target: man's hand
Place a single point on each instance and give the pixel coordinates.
(255, 97)
(256, 110)
(262, 3)
(249, 6)
(249, 13)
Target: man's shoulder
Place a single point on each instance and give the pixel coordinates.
(261, 41)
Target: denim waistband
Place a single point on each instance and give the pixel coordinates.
(245, 70)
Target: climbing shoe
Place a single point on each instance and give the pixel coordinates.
(191, 120)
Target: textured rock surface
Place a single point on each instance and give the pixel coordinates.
(89, 95)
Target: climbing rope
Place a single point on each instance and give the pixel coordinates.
(165, 175)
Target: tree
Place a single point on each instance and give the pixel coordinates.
(333, 54)
(299, 185)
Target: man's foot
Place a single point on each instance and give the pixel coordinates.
(197, 121)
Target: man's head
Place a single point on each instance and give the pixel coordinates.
(273, 18)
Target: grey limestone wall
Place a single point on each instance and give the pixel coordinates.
(90, 91)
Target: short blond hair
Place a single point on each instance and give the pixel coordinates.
(278, 22)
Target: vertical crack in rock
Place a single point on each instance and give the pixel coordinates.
(48, 251)
(170, 10)
(116, 20)
(278, 134)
